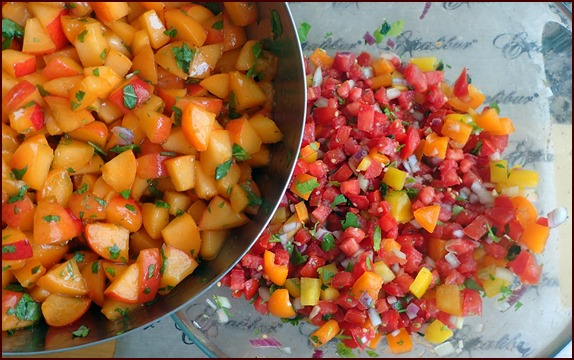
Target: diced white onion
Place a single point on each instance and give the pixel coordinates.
(395, 267)
(504, 273)
(321, 232)
(396, 332)
(464, 193)
(393, 93)
(321, 102)
(400, 81)
(473, 199)
(367, 72)
(264, 293)
(223, 301)
(430, 262)
(452, 260)
(501, 305)
(399, 254)
(286, 350)
(211, 304)
(557, 217)
(292, 207)
(297, 303)
(414, 163)
(407, 166)
(391, 299)
(292, 226)
(458, 233)
(444, 349)
(418, 115)
(415, 223)
(458, 321)
(495, 156)
(530, 194)
(363, 183)
(221, 316)
(374, 317)
(315, 311)
(484, 196)
(318, 77)
(511, 191)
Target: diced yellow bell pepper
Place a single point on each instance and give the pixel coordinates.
(293, 285)
(421, 283)
(327, 272)
(329, 293)
(498, 171)
(381, 269)
(427, 63)
(437, 332)
(365, 163)
(523, 178)
(400, 205)
(395, 178)
(310, 291)
(309, 152)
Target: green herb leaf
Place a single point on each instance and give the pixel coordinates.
(494, 105)
(471, 284)
(338, 200)
(125, 194)
(8, 249)
(82, 331)
(171, 32)
(104, 53)
(513, 252)
(457, 209)
(183, 57)
(114, 251)
(218, 25)
(222, 169)
(307, 186)
(118, 149)
(491, 233)
(328, 242)
(95, 267)
(98, 149)
(19, 173)
(303, 31)
(82, 35)
(130, 97)
(297, 258)
(96, 72)
(10, 30)
(20, 196)
(162, 204)
(79, 257)
(276, 25)
(351, 220)
(177, 113)
(83, 189)
(27, 309)
(344, 351)
(232, 113)
(239, 153)
(51, 218)
(130, 207)
(377, 239)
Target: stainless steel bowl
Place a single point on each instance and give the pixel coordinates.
(289, 114)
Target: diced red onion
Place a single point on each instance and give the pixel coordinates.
(264, 293)
(317, 354)
(444, 349)
(301, 248)
(366, 300)
(369, 39)
(412, 310)
(393, 93)
(516, 295)
(391, 299)
(321, 232)
(452, 260)
(473, 199)
(125, 135)
(391, 44)
(345, 262)
(425, 10)
(557, 217)
(265, 343)
(318, 77)
(374, 317)
(359, 155)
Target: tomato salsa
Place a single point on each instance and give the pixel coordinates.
(401, 214)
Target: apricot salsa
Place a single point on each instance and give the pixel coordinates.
(402, 213)
(129, 136)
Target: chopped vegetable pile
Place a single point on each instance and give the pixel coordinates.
(402, 214)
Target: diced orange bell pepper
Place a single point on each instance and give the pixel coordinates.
(303, 185)
(427, 217)
(535, 237)
(401, 342)
(475, 99)
(488, 120)
(435, 145)
(457, 128)
(369, 283)
(436, 248)
(325, 333)
(448, 299)
(319, 57)
(276, 273)
(525, 212)
(280, 305)
(506, 127)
